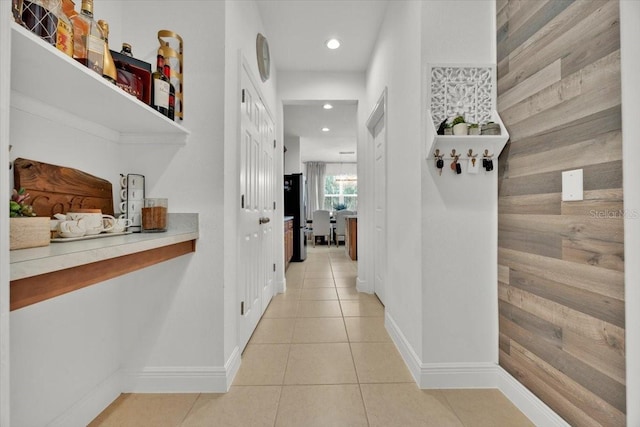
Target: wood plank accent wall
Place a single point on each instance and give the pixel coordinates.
(561, 264)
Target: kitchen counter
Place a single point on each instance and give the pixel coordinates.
(41, 273)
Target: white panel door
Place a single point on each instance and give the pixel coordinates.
(255, 228)
(379, 199)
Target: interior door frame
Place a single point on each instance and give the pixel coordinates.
(378, 113)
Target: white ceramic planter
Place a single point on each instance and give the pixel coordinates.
(461, 129)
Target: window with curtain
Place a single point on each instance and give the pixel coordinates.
(340, 192)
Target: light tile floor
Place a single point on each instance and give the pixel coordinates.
(320, 356)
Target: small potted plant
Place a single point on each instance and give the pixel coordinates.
(460, 127)
(491, 128)
(474, 129)
(26, 229)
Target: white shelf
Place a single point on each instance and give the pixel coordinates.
(49, 83)
(462, 143)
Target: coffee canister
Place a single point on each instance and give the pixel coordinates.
(154, 215)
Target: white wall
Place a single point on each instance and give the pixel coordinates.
(459, 218)
(188, 331)
(442, 231)
(395, 64)
(5, 90)
(341, 169)
(163, 323)
(292, 162)
(630, 62)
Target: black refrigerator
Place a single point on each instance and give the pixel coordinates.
(295, 203)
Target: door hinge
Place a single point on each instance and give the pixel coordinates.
(274, 266)
(274, 206)
(243, 96)
(242, 308)
(274, 143)
(242, 201)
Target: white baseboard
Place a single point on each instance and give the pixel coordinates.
(530, 405)
(232, 365)
(472, 375)
(362, 286)
(406, 350)
(150, 380)
(176, 379)
(87, 408)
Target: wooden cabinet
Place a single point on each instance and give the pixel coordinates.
(288, 242)
(351, 237)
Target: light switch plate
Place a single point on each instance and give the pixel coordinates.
(572, 185)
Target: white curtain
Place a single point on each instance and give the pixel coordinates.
(315, 187)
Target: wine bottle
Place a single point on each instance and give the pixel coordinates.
(126, 50)
(88, 40)
(160, 87)
(109, 69)
(171, 112)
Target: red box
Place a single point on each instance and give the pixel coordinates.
(134, 76)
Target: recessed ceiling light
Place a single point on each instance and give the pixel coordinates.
(347, 152)
(327, 106)
(333, 43)
(325, 129)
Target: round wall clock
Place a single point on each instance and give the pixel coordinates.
(264, 59)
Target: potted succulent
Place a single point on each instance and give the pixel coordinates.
(491, 128)
(26, 230)
(474, 129)
(460, 127)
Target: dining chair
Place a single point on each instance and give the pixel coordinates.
(340, 225)
(321, 226)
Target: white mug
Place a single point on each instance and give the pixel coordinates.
(131, 194)
(133, 181)
(131, 206)
(72, 228)
(118, 225)
(134, 217)
(95, 222)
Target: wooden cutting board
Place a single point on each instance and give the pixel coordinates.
(58, 189)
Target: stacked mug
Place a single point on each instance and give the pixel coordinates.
(132, 195)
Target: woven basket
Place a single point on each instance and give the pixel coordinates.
(29, 232)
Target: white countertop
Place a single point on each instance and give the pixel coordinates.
(59, 256)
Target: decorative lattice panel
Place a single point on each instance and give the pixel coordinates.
(461, 91)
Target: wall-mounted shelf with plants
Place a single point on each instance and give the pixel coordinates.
(461, 116)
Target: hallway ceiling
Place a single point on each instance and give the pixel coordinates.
(306, 121)
(297, 31)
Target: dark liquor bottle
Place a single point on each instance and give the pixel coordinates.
(160, 88)
(39, 17)
(172, 93)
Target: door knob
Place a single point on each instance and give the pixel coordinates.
(264, 220)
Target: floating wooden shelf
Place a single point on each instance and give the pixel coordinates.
(38, 274)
